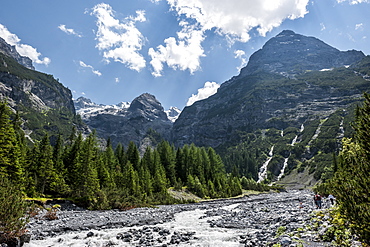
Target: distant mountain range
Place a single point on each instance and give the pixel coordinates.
(86, 108)
(285, 113)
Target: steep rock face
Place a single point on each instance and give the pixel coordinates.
(43, 103)
(10, 51)
(143, 121)
(32, 89)
(262, 96)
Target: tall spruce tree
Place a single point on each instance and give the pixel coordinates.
(133, 155)
(86, 184)
(119, 152)
(10, 152)
(46, 177)
(168, 160)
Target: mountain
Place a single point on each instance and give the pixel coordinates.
(86, 108)
(142, 121)
(42, 102)
(11, 51)
(173, 113)
(287, 109)
(289, 53)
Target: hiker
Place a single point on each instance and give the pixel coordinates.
(331, 198)
(317, 199)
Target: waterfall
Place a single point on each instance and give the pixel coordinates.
(262, 174)
(283, 169)
(341, 129)
(294, 141)
(317, 132)
(302, 128)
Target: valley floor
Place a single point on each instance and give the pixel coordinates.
(256, 220)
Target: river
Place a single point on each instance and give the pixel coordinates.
(250, 220)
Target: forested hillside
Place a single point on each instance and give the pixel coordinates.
(77, 168)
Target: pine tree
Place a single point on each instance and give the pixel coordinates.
(70, 156)
(47, 178)
(180, 165)
(10, 152)
(168, 159)
(147, 168)
(110, 159)
(132, 180)
(119, 152)
(57, 156)
(159, 176)
(106, 180)
(86, 184)
(133, 155)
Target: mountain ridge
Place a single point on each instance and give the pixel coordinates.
(287, 109)
(281, 88)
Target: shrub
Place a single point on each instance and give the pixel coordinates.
(13, 210)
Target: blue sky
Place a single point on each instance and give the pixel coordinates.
(178, 50)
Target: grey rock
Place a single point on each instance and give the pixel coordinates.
(11, 51)
(285, 241)
(133, 122)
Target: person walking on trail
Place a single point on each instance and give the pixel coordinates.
(317, 199)
(331, 198)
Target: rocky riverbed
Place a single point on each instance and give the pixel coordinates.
(256, 220)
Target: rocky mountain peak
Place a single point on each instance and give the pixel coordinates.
(148, 106)
(289, 53)
(10, 51)
(82, 102)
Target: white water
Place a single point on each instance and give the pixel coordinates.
(341, 129)
(317, 132)
(186, 221)
(262, 174)
(294, 141)
(282, 171)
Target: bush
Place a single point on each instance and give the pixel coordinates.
(13, 210)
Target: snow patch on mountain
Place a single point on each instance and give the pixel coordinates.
(86, 108)
(173, 113)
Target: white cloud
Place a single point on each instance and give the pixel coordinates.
(119, 40)
(210, 88)
(182, 54)
(354, 1)
(116, 80)
(96, 72)
(233, 19)
(359, 26)
(69, 31)
(23, 49)
(241, 55)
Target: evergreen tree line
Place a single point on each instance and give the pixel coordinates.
(349, 176)
(99, 178)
